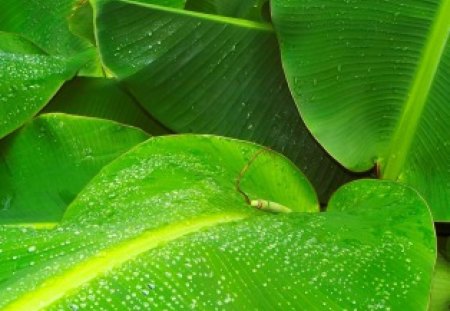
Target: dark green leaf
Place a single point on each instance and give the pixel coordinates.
(103, 98)
(256, 10)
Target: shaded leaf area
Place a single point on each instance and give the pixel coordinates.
(28, 79)
(44, 165)
(257, 10)
(213, 75)
(103, 98)
(130, 242)
(372, 85)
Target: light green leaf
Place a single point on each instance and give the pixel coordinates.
(102, 98)
(209, 74)
(44, 165)
(372, 85)
(28, 79)
(166, 227)
(257, 10)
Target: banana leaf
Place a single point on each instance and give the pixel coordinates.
(172, 225)
(371, 81)
(210, 74)
(44, 165)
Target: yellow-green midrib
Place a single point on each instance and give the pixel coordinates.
(418, 94)
(69, 281)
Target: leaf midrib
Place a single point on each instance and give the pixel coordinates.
(418, 95)
(32, 225)
(244, 23)
(52, 290)
(210, 17)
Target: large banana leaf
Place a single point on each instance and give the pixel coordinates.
(45, 164)
(102, 98)
(169, 226)
(371, 81)
(28, 79)
(209, 74)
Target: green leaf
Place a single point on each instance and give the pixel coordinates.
(372, 85)
(102, 98)
(256, 10)
(165, 226)
(28, 79)
(209, 74)
(44, 165)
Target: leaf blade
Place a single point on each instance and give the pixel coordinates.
(377, 88)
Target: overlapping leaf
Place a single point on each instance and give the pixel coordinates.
(44, 165)
(210, 74)
(168, 226)
(371, 81)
